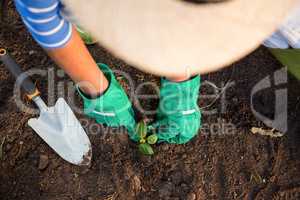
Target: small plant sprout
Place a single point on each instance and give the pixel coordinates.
(146, 149)
(152, 139)
(145, 141)
(141, 130)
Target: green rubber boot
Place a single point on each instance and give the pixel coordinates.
(112, 108)
(178, 117)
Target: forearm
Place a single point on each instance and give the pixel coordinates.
(77, 62)
(62, 42)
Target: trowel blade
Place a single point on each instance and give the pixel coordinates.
(60, 129)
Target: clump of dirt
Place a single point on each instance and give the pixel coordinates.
(222, 162)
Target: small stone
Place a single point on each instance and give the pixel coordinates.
(31, 52)
(43, 163)
(165, 147)
(191, 196)
(126, 177)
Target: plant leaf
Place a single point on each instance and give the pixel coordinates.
(142, 141)
(146, 149)
(152, 139)
(141, 129)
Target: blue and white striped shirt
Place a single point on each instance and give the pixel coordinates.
(44, 21)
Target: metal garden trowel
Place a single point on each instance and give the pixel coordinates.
(56, 125)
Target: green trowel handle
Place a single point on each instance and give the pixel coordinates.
(22, 78)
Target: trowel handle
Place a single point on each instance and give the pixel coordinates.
(22, 78)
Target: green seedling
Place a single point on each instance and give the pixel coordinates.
(145, 141)
(141, 130)
(146, 149)
(152, 139)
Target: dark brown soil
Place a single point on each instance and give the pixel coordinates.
(213, 165)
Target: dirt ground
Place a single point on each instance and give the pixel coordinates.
(214, 165)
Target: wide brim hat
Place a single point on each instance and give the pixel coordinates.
(176, 37)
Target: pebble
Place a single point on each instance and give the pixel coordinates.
(191, 196)
(43, 163)
(165, 147)
(31, 52)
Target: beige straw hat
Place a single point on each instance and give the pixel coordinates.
(176, 37)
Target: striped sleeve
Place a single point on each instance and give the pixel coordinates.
(44, 22)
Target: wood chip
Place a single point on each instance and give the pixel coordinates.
(43, 163)
(271, 133)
